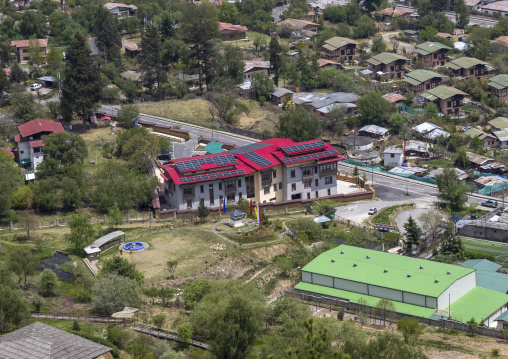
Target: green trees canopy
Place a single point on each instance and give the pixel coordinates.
(451, 190)
(413, 234)
(112, 293)
(10, 180)
(374, 109)
(122, 267)
(299, 125)
(13, 309)
(81, 231)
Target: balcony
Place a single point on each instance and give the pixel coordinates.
(188, 197)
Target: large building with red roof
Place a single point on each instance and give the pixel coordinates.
(232, 32)
(275, 170)
(28, 150)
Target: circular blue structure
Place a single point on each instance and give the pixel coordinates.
(134, 246)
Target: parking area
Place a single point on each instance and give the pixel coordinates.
(42, 91)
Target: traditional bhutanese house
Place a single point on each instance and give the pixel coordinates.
(131, 48)
(468, 66)
(395, 98)
(420, 80)
(392, 13)
(232, 32)
(501, 138)
(484, 163)
(21, 49)
(445, 35)
(388, 64)
(252, 67)
(488, 141)
(189, 80)
(432, 54)
(280, 94)
(307, 27)
(439, 171)
(498, 124)
(373, 131)
(449, 100)
(499, 87)
(414, 148)
(325, 63)
(339, 48)
(473, 4)
(132, 75)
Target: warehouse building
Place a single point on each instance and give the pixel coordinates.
(417, 287)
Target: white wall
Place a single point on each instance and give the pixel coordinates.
(415, 299)
(457, 290)
(392, 162)
(490, 320)
(387, 293)
(322, 280)
(24, 150)
(306, 277)
(350, 286)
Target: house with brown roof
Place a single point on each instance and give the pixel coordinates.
(339, 49)
(121, 10)
(131, 48)
(420, 80)
(232, 32)
(252, 67)
(22, 49)
(468, 66)
(388, 64)
(325, 63)
(449, 100)
(395, 98)
(392, 13)
(308, 27)
(432, 54)
(499, 87)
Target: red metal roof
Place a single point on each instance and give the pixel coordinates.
(247, 159)
(8, 151)
(36, 143)
(227, 26)
(26, 43)
(39, 125)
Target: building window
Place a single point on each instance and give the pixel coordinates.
(329, 191)
(328, 180)
(392, 155)
(293, 173)
(240, 195)
(210, 192)
(188, 191)
(189, 204)
(266, 177)
(274, 174)
(307, 184)
(239, 183)
(267, 190)
(202, 189)
(307, 171)
(275, 187)
(220, 186)
(316, 181)
(317, 194)
(231, 197)
(293, 186)
(280, 183)
(308, 195)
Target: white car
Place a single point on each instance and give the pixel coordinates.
(35, 87)
(372, 210)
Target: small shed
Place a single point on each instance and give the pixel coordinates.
(105, 242)
(48, 81)
(393, 156)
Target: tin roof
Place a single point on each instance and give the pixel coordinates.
(394, 150)
(39, 125)
(250, 65)
(497, 6)
(389, 11)
(337, 42)
(113, 5)
(419, 146)
(418, 77)
(425, 127)
(374, 129)
(501, 135)
(281, 91)
(442, 92)
(438, 171)
(465, 63)
(225, 26)
(429, 47)
(499, 81)
(385, 58)
(499, 122)
(394, 97)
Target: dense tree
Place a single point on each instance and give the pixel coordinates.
(4, 83)
(413, 234)
(184, 332)
(48, 283)
(228, 12)
(325, 207)
(54, 61)
(299, 125)
(66, 151)
(115, 216)
(227, 67)
(378, 45)
(158, 320)
(203, 210)
(366, 27)
(24, 107)
(451, 244)
(13, 309)
(262, 86)
(374, 109)
(396, 122)
(107, 36)
(23, 263)
(479, 38)
(149, 58)
(167, 25)
(127, 114)
(17, 74)
(121, 267)
(81, 88)
(81, 231)
(410, 328)
(32, 23)
(10, 180)
(6, 50)
(22, 198)
(47, 7)
(195, 291)
(112, 293)
(451, 190)
(46, 196)
(275, 58)
(461, 14)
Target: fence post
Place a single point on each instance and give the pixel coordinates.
(10, 224)
(58, 222)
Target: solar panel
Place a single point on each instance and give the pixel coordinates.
(199, 162)
(211, 176)
(304, 147)
(330, 152)
(258, 159)
(249, 148)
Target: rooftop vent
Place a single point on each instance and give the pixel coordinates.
(333, 260)
(448, 272)
(421, 267)
(385, 271)
(409, 275)
(341, 252)
(368, 257)
(436, 281)
(355, 265)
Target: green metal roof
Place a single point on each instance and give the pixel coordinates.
(386, 58)
(404, 308)
(493, 281)
(442, 92)
(482, 264)
(499, 122)
(499, 81)
(465, 63)
(214, 147)
(420, 76)
(430, 47)
(337, 42)
(478, 303)
(473, 132)
(503, 317)
(371, 270)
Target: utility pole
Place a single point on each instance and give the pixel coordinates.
(58, 80)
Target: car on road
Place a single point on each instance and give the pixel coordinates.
(35, 87)
(489, 203)
(372, 211)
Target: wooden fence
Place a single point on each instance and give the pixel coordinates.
(169, 335)
(86, 318)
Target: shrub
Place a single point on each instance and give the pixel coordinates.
(47, 282)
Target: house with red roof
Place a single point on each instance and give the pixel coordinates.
(271, 171)
(28, 150)
(232, 32)
(22, 49)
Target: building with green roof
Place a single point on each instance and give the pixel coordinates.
(339, 48)
(432, 54)
(421, 80)
(416, 286)
(499, 87)
(449, 100)
(468, 66)
(388, 64)
(498, 124)
(487, 140)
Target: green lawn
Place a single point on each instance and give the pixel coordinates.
(497, 249)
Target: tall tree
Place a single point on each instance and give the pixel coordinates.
(451, 190)
(275, 58)
(199, 28)
(374, 109)
(228, 12)
(413, 234)
(299, 125)
(122, 267)
(13, 309)
(149, 58)
(81, 231)
(461, 14)
(81, 88)
(107, 36)
(35, 51)
(5, 84)
(23, 263)
(10, 180)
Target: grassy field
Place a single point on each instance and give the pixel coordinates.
(499, 250)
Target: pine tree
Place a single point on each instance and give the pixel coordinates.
(203, 211)
(413, 233)
(107, 36)
(149, 58)
(4, 82)
(275, 58)
(81, 88)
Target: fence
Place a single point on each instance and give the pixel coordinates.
(87, 318)
(169, 335)
(248, 133)
(385, 314)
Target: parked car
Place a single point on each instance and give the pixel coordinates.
(35, 87)
(372, 210)
(490, 203)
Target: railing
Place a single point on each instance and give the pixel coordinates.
(169, 335)
(86, 318)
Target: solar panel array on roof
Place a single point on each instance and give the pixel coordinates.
(211, 176)
(249, 148)
(258, 159)
(197, 163)
(330, 152)
(304, 147)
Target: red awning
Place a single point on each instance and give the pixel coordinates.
(106, 118)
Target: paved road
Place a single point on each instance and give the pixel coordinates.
(187, 149)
